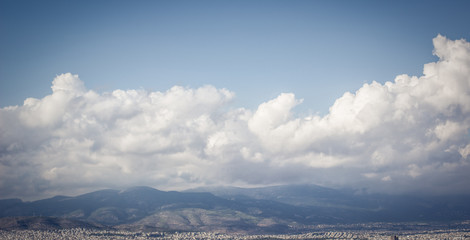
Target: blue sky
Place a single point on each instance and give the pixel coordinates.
(257, 49)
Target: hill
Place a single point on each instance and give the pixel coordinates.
(276, 209)
(44, 223)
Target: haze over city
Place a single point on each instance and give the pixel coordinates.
(366, 95)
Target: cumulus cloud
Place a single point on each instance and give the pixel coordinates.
(404, 135)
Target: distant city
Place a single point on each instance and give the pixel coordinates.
(81, 233)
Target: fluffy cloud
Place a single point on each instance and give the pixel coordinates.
(406, 135)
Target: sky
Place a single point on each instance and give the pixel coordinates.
(369, 95)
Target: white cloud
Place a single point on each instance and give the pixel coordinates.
(68, 83)
(387, 179)
(465, 151)
(411, 134)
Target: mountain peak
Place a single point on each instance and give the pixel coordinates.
(139, 189)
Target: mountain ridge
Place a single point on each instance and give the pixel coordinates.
(226, 209)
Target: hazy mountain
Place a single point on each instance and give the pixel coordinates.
(228, 209)
(353, 206)
(110, 206)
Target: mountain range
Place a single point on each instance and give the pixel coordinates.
(278, 209)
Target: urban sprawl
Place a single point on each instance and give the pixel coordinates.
(80, 233)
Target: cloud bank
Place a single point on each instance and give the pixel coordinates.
(411, 134)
